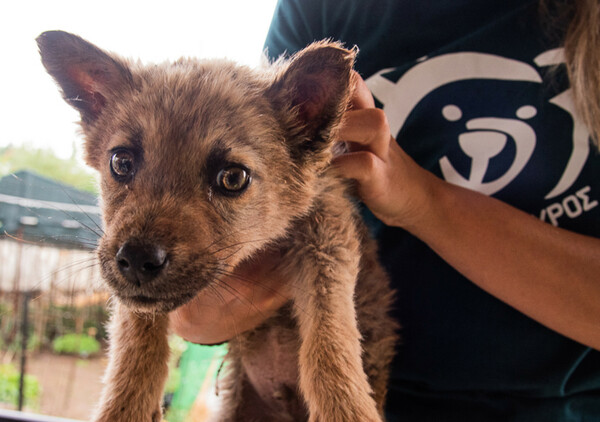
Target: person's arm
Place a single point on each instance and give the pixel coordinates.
(550, 274)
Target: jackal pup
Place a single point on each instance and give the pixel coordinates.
(204, 164)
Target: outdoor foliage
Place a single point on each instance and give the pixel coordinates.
(177, 346)
(44, 162)
(9, 387)
(33, 344)
(76, 344)
(64, 319)
(48, 322)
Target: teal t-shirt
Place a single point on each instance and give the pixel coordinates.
(475, 92)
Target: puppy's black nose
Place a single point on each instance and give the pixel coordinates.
(141, 262)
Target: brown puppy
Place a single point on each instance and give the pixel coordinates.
(203, 164)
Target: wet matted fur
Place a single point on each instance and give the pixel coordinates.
(203, 164)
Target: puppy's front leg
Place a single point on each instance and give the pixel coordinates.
(332, 379)
(137, 371)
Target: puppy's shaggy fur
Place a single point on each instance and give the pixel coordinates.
(203, 164)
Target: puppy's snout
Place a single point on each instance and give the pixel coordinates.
(141, 262)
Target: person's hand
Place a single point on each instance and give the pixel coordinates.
(547, 273)
(389, 182)
(234, 303)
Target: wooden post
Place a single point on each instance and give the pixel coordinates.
(24, 335)
(17, 285)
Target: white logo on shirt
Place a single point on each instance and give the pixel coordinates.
(485, 137)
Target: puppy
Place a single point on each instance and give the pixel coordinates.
(203, 165)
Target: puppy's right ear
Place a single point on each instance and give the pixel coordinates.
(88, 76)
(311, 92)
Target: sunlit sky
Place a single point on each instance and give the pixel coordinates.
(32, 111)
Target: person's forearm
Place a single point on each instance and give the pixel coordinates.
(548, 273)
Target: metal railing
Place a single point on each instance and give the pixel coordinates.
(14, 416)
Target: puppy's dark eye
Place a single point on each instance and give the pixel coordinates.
(233, 179)
(121, 164)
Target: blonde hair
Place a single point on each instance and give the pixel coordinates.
(580, 23)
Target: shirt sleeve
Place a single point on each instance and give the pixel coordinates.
(293, 27)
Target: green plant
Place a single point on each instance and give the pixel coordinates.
(9, 387)
(76, 344)
(173, 381)
(177, 346)
(44, 161)
(62, 320)
(33, 343)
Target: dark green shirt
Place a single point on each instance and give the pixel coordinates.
(469, 94)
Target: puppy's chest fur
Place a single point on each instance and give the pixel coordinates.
(325, 246)
(205, 164)
(268, 359)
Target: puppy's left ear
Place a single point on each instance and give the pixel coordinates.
(88, 77)
(312, 92)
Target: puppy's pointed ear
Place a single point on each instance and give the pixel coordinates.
(313, 88)
(87, 75)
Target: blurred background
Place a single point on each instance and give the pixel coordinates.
(53, 307)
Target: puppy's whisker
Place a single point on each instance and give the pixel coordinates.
(257, 283)
(51, 205)
(227, 236)
(82, 240)
(78, 266)
(99, 234)
(61, 282)
(233, 245)
(253, 282)
(225, 258)
(230, 312)
(100, 231)
(20, 240)
(239, 296)
(231, 269)
(90, 261)
(245, 242)
(231, 273)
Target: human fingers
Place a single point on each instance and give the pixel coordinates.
(366, 129)
(361, 95)
(362, 166)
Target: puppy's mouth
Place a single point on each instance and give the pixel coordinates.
(149, 277)
(164, 293)
(143, 300)
(143, 303)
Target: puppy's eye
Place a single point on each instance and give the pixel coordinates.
(233, 179)
(121, 164)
